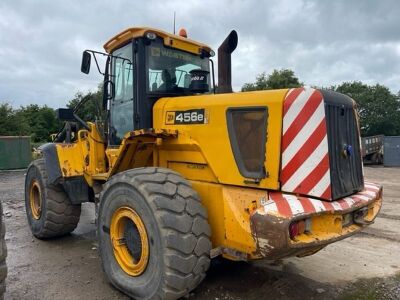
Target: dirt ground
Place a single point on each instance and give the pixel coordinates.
(365, 266)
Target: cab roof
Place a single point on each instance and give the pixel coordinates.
(170, 40)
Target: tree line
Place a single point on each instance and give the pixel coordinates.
(40, 122)
(378, 107)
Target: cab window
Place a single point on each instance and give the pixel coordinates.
(122, 105)
(169, 69)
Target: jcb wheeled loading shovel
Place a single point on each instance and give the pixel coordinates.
(182, 172)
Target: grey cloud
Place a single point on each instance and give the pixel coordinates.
(324, 42)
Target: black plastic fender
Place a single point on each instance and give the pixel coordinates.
(76, 188)
(52, 163)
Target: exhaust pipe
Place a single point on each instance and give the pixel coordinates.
(224, 63)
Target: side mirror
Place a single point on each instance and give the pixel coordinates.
(65, 114)
(85, 66)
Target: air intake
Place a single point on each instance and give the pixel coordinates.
(247, 129)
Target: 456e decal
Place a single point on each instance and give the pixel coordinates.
(183, 117)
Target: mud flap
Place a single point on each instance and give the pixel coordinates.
(77, 190)
(52, 164)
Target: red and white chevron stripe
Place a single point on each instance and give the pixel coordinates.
(305, 160)
(289, 206)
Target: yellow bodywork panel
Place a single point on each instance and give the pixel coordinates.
(136, 150)
(170, 40)
(70, 158)
(330, 226)
(85, 157)
(229, 209)
(208, 145)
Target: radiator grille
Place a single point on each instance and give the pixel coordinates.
(344, 145)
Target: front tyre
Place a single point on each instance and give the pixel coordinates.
(154, 238)
(49, 211)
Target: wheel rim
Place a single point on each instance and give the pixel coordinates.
(129, 240)
(35, 200)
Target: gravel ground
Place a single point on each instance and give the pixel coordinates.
(366, 266)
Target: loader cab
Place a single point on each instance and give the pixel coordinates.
(142, 69)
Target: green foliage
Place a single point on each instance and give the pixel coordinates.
(41, 121)
(10, 122)
(38, 122)
(379, 109)
(278, 79)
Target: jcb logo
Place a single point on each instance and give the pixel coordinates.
(170, 118)
(155, 51)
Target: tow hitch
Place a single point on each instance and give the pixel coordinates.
(359, 217)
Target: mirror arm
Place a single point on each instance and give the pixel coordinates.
(108, 55)
(96, 61)
(97, 65)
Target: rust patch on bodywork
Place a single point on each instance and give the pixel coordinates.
(271, 231)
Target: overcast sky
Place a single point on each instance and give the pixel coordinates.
(324, 42)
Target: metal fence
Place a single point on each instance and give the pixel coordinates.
(391, 151)
(15, 152)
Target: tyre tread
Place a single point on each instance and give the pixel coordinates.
(184, 227)
(61, 215)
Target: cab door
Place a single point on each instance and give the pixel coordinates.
(122, 106)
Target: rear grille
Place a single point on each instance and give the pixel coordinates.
(344, 145)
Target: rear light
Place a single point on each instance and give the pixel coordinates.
(294, 230)
(299, 227)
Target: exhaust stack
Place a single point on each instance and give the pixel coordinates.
(224, 63)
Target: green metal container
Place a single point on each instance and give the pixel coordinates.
(15, 152)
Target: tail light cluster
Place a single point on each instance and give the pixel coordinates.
(299, 227)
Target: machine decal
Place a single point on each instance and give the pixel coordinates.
(305, 160)
(184, 117)
(291, 205)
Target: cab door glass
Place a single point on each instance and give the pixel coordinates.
(122, 106)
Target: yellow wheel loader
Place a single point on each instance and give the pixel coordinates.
(183, 171)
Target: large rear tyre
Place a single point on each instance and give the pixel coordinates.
(50, 213)
(154, 238)
(3, 255)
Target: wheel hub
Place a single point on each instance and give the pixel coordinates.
(35, 200)
(130, 242)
